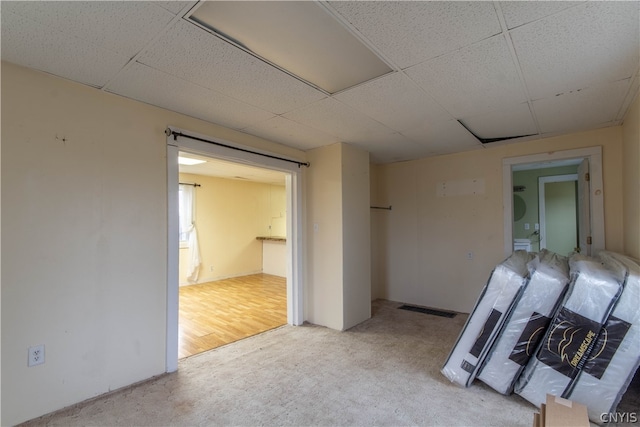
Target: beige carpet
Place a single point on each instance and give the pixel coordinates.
(385, 371)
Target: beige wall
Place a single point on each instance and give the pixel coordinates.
(324, 237)
(85, 219)
(230, 214)
(425, 238)
(356, 239)
(338, 249)
(631, 186)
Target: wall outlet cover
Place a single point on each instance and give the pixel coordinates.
(35, 355)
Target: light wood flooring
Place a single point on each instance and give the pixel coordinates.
(218, 313)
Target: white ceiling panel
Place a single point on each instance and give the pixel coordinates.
(122, 27)
(174, 6)
(339, 120)
(585, 45)
(443, 137)
(395, 101)
(230, 170)
(575, 64)
(393, 147)
(291, 133)
(473, 79)
(193, 54)
(518, 13)
(581, 109)
(409, 32)
(30, 44)
(513, 121)
(157, 88)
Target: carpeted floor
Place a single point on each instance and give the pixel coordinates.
(385, 371)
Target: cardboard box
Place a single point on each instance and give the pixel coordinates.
(559, 412)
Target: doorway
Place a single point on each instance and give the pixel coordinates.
(558, 213)
(590, 203)
(226, 151)
(232, 262)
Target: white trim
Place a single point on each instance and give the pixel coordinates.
(295, 237)
(173, 253)
(542, 204)
(594, 154)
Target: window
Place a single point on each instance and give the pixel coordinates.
(186, 200)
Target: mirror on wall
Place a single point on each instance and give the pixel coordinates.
(519, 207)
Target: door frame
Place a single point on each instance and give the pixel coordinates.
(294, 185)
(542, 203)
(593, 154)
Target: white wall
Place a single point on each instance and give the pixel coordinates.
(631, 186)
(85, 218)
(338, 250)
(356, 236)
(425, 238)
(324, 237)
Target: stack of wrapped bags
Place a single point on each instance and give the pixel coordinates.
(548, 324)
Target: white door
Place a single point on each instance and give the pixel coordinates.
(558, 213)
(584, 209)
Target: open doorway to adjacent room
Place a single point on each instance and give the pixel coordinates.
(232, 256)
(554, 201)
(238, 259)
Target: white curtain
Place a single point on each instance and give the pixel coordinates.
(188, 231)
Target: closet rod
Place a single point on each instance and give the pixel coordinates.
(175, 134)
(188, 183)
(386, 208)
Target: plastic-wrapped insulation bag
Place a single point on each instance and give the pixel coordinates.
(616, 354)
(492, 307)
(572, 333)
(527, 323)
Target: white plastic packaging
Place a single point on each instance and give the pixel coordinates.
(616, 355)
(528, 322)
(573, 332)
(492, 307)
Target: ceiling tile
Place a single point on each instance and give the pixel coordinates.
(193, 54)
(337, 119)
(410, 32)
(230, 170)
(393, 147)
(28, 43)
(174, 6)
(123, 27)
(473, 79)
(581, 109)
(291, 133)
(591, 43)
(518, 13)
(516, 120)
(157, 88)
(443, 137)
(395, 101)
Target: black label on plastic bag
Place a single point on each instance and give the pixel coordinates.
(485, 333)
(529, 339)
(568, 342)
(468, 366)
(609, 340)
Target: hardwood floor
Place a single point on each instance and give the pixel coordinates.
(218, 313)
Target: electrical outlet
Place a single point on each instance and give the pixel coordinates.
(469, 255)
(36, 355)
(526, 225)
(211, 268)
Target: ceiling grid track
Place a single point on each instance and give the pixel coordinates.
(507, 36)
(150, 43)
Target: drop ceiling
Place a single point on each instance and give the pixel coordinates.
(497, 69)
